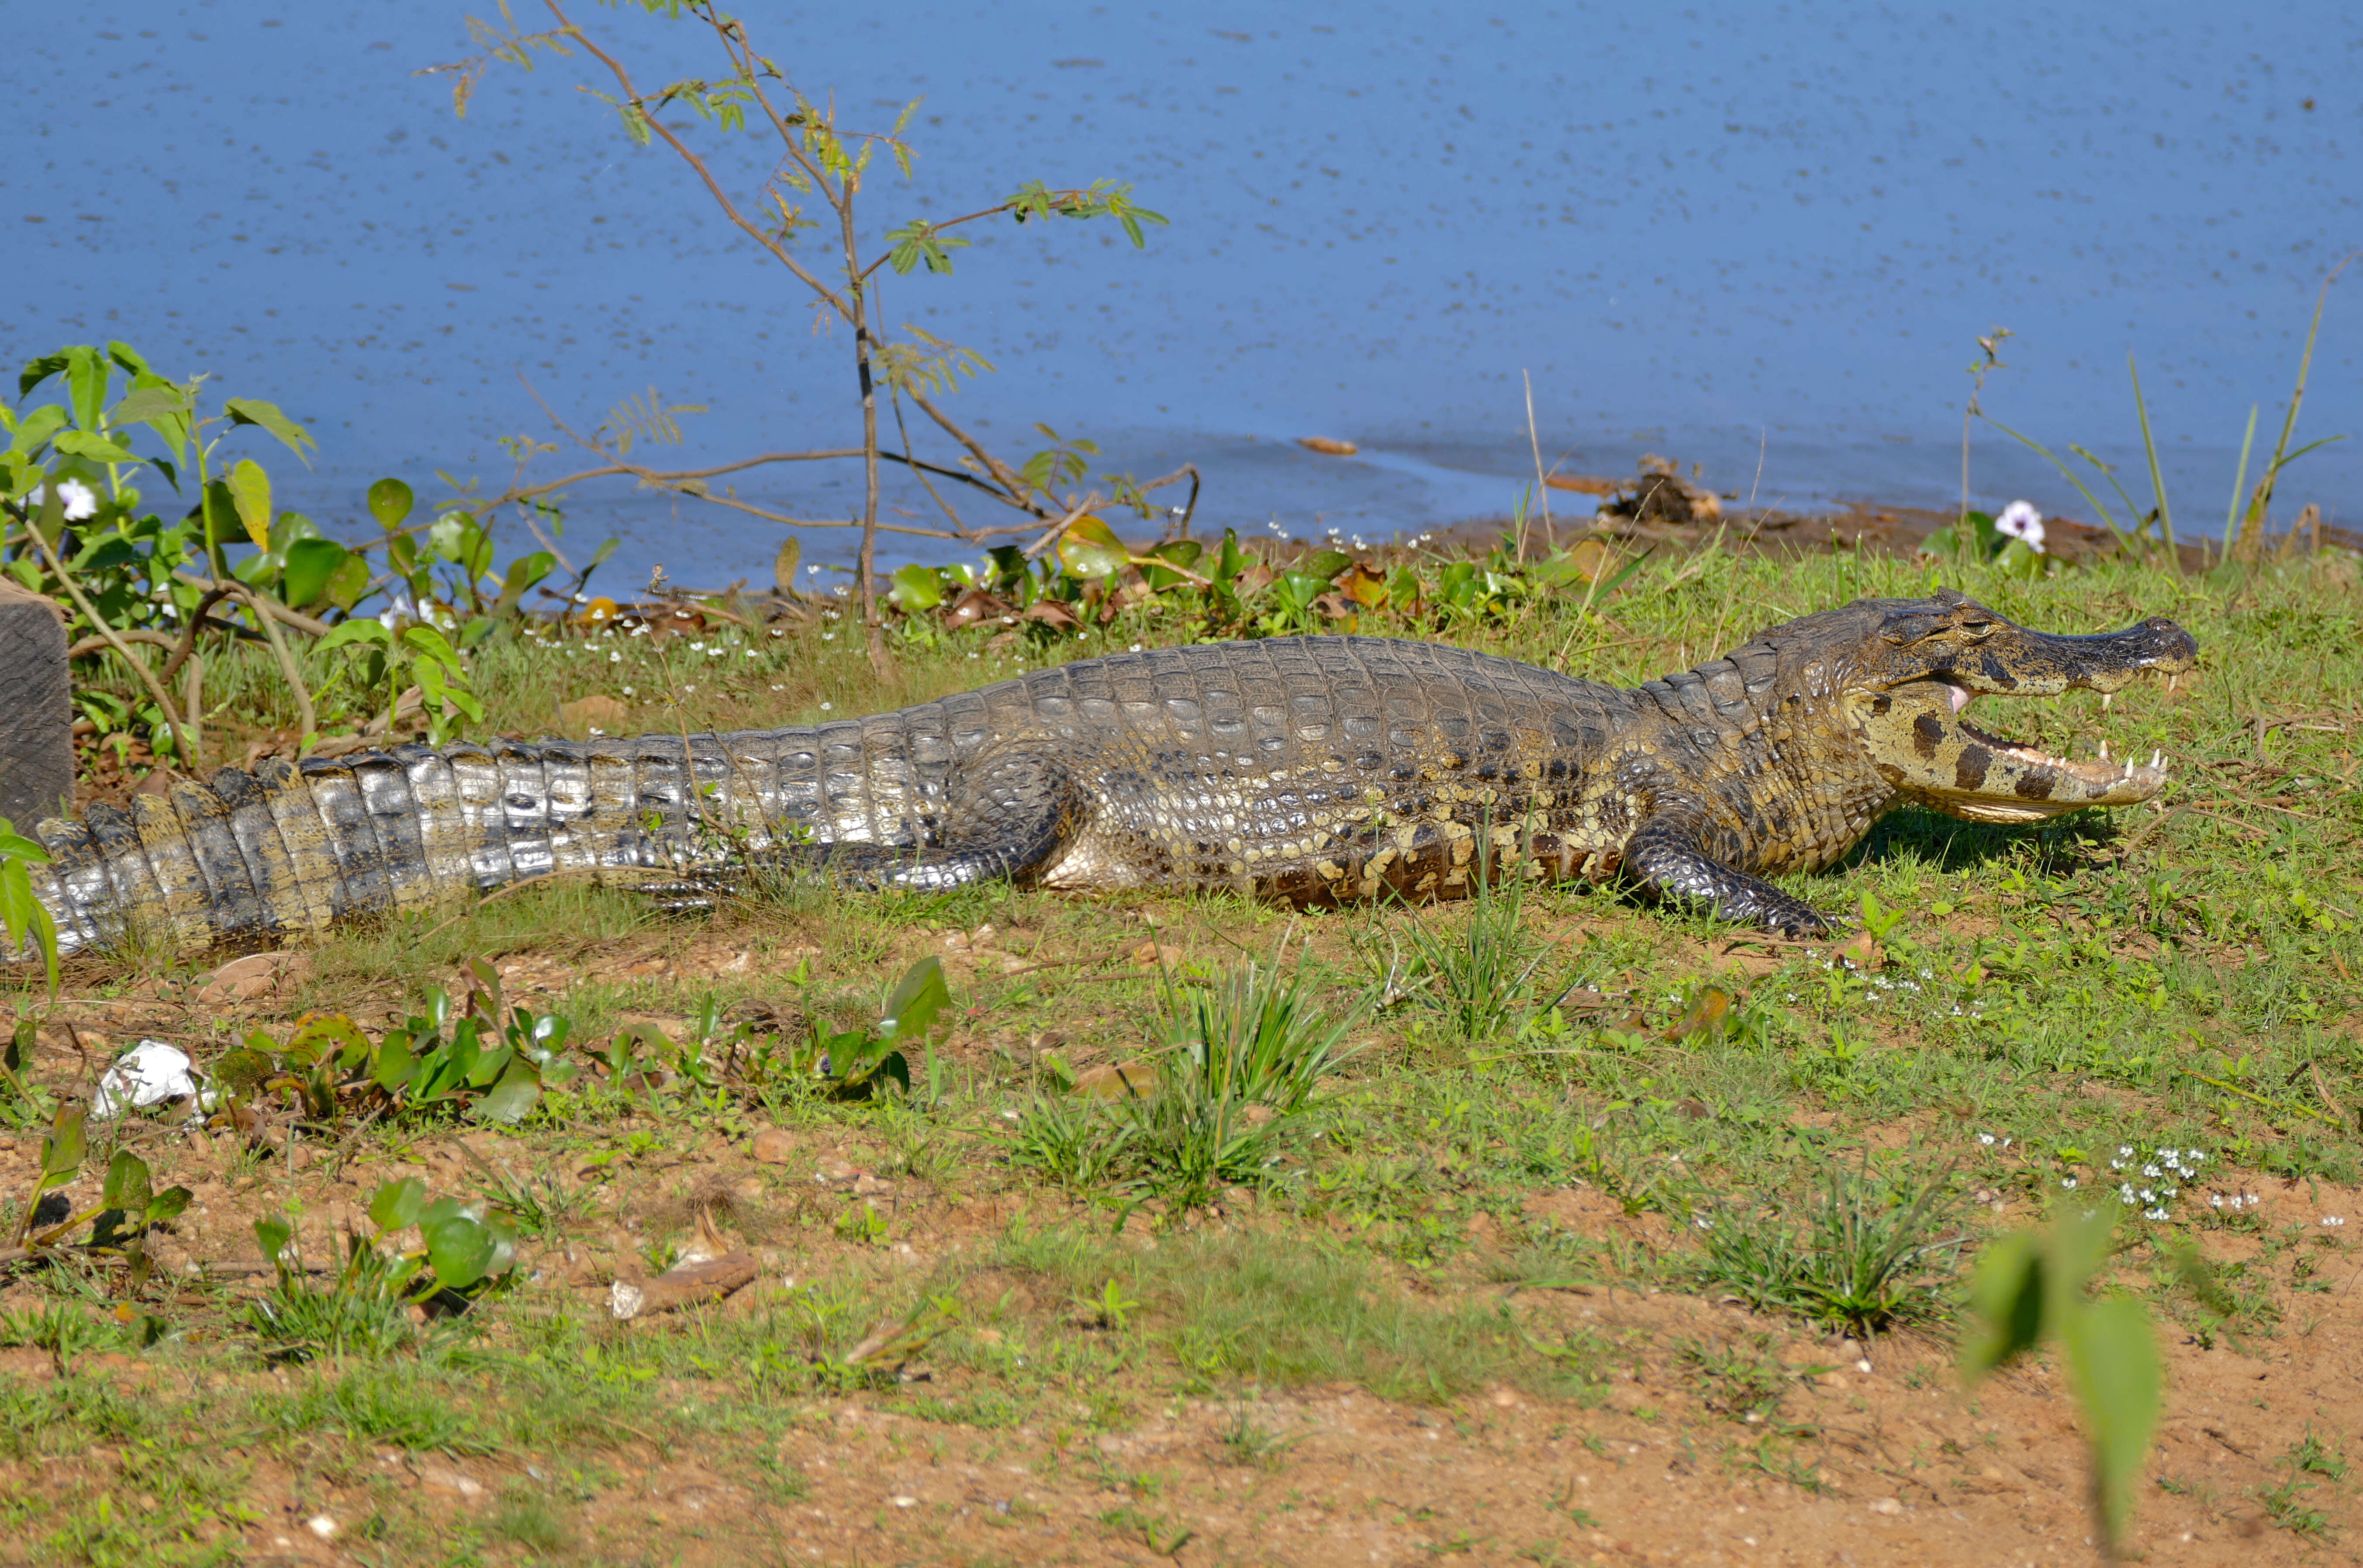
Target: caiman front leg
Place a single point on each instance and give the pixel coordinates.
(1666, 853)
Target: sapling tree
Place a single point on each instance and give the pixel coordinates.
(806, 214)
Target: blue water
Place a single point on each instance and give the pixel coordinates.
(1761, 238)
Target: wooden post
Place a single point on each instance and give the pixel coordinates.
(37, 761)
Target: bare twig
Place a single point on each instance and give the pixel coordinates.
(188, 642)
(271, 607)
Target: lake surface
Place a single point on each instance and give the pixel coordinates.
(1759, 238)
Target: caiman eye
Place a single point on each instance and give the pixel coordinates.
(1977, 630)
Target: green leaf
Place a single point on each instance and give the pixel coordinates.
(39, 371)
(427, 640)
(523, 573)
(916, 1001)
(1090, 549)
(363, 629)
(459, 1247)
(312, 565)
(38, 426)
(2112, 1363)
(250, 492)
(168, 1204)
(273, 1236)
(2006, 1305)
(398, 1204)
(126, 1187)
(390, 501)
(86, 376)
(1324, 563)
(348, 582)
(149, 405)
(512, 1096)
(254, 411)
(916, 588)
(93, 447)
(62, 1149)
(394, 1066)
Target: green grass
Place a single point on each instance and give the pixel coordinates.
(2153, 983)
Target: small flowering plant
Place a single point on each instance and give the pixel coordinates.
(2150, 1179)
(2013, 542)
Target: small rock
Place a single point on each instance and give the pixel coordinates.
(772, 1147)
(438, 1477)
(260, 976)
(1328, 446)
(1887, 1506)
(322, 1526)
(1260, 1116)
(834, 1171)
(870, 1187)
(1155, 954)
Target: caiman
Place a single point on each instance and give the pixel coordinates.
(1316, 769)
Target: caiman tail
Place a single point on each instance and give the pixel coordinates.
(298, 847)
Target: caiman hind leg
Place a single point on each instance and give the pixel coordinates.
(1665, 854)
(1006, 818)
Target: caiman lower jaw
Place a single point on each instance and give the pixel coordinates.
(1932, 754)
(2101, 773)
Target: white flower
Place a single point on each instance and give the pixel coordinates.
(2216, 1200)
(2068, 1182)
(2021, 522)
(2125, 1151)
(824, 707)
(2333, 1219)
(1987, 1138)
(2153, 1214)
(2152, 1171)
(76, 497)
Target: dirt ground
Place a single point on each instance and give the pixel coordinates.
(1875, 1456)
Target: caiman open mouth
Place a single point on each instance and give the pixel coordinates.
(1920, 738)
(2101, 773)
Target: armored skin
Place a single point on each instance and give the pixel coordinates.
(1313, 770)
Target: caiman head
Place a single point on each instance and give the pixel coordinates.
(1905, 671)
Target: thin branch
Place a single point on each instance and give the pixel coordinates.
(272, 608)
(1006, 477)
(713, 185)
(188, 640)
